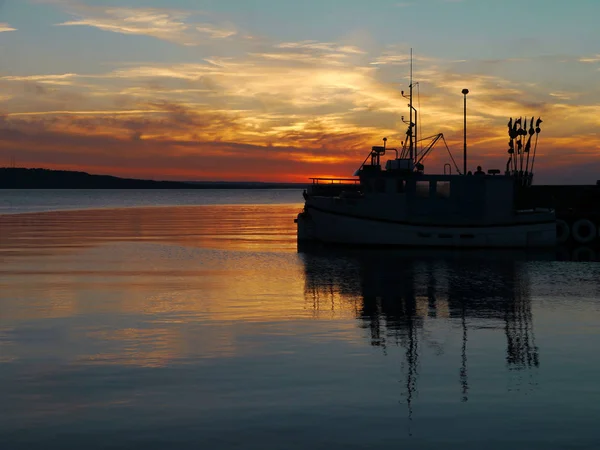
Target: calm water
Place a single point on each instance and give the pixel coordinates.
(38, 200)
(193, 321)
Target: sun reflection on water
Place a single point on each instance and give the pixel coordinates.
(211, 314)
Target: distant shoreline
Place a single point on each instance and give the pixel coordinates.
(20, 178)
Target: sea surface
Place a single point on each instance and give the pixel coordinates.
(192, 320)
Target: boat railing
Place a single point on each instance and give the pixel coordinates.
(321, 181)
(534, 211)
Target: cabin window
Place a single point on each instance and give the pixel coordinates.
(401, 186)
(422, 189)
(442, 189)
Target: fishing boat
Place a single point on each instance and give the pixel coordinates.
(395, 203)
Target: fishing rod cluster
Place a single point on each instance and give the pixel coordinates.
(518, 164)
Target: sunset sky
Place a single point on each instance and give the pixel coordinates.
(276, 90)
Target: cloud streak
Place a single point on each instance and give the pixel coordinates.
(171, 25)
(590, 59)
(4, 27)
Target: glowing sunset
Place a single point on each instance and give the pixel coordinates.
(280, 91)
(218, 228)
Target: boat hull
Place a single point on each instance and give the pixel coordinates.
(323, 226)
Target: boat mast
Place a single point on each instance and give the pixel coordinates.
(410, 124)
(465, 92)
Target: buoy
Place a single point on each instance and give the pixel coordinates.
(579, 231)
(562, 231)
(584, 254)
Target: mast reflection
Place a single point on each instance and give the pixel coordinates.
(396, 293)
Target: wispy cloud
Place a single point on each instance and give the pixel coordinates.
(398, 56)
(321, 46)
(167, 25)
(84, 113)
(6, 27)
(563, 95)
(62, 79)
(216, 32)
(170, 25)
(590, 59)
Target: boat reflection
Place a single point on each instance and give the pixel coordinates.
(401, 297)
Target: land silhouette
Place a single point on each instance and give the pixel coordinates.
(567, 199)
(21, 178)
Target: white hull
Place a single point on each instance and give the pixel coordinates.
(339, 229)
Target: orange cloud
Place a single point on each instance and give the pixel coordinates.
(283, 112)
